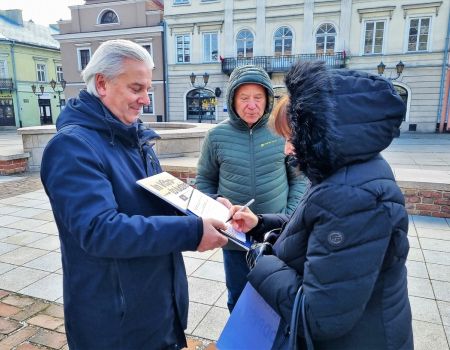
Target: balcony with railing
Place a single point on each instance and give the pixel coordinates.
(280, 64)
(6, 84)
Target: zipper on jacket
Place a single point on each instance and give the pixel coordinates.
(252, 165)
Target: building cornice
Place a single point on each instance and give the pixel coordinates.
(385, 10)
(435, 4)
(109, 33)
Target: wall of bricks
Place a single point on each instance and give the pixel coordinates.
(418, 202)
(427, 202)
(13, 166)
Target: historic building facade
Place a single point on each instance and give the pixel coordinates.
(30, 72)
(97, 21)
(213, 36)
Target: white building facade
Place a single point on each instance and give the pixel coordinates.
(213, 36)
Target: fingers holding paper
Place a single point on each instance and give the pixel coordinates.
(212, 238)
(242, 220)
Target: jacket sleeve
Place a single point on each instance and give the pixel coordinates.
(298, 184)
(207, 179)
(86, 210)
(346, 247)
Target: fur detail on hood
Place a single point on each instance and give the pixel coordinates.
(339, 117)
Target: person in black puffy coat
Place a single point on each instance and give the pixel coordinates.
(345, 246)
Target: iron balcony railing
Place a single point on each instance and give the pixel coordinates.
(273, 64)
(6, 84)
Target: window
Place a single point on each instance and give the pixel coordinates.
(40, 69)
(183, 48)
(283, 42)
(325, 39)
(149, 48)
(178, 2)
(150, 108)
(3, 69)
(419, 29)
(109, 17)
(84, 55)
(59, 74)
(210, 47)
(244, 44)
(373, 37)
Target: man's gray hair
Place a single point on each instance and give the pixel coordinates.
(108, 61)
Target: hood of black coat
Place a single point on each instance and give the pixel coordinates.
(89, 112)
(339, 117)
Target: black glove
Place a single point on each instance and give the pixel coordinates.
(256, 251)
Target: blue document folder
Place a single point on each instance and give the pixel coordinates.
(253, 324)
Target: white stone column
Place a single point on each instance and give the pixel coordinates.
(307, 44)
(260, 38)
(228, 30)
(344, 26)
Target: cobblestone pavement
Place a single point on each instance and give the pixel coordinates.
(28, 323)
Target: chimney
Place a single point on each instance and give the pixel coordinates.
(13, 15)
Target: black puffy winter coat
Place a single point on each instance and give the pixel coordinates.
(346, 244)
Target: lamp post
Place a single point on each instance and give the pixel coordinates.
(398, 67)
(192, 78)
(38, 94)
(53, 84)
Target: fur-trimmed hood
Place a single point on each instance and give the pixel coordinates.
(339, 117)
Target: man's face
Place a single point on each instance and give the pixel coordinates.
(250, 102)
(126, 94)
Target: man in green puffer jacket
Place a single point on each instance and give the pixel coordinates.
(242, 159)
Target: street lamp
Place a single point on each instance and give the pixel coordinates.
(58, 91)
(200, 86)
(38, 94)
(398, 67)
(192, 77)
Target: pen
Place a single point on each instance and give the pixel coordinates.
(246, 205)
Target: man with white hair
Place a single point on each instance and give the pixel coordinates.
(124, 279)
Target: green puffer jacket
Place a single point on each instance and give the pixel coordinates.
(241, 163)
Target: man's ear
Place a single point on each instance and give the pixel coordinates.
(100, 84)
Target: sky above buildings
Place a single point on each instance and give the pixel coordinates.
(41, 12)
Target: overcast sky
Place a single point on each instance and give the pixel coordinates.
(42, 12)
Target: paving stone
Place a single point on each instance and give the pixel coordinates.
(211, 270)
(416, 269)
(8, 326)
(17, 338)
(31, 310)
(3, 293)
(444, 309)
(429, 336)
(18, 300)
(420, 287)
(197, 312)
(433, 233)
(55, 311)
(212, 325)
(51, 339)
(204, 291)
(441, 290)
(8, 310)
(425, 310)
(439, 272)
(46, 321)
(28, 346)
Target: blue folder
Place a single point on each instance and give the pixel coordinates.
(253, 324)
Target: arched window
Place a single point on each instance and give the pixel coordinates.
(108, 17)
(325, 39)
(200, 105)
(403, 93)
(283, 41)
(244, 44)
